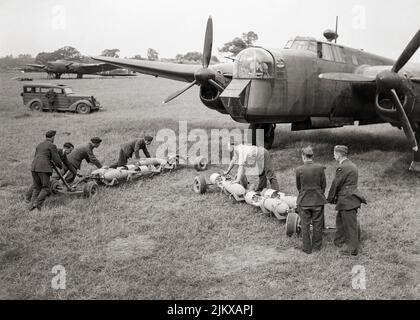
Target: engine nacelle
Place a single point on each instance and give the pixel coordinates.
(210, 97)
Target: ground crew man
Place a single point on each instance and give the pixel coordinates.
(344, 194)
(311, 183)
(67, 166)
(51, 95)
(83, 152)
(127, 150)
(67, 148)
(256, 160)
(45, 154)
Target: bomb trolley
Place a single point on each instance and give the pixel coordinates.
(82, 187)
(293, 226)
(144, 168)
(225, 183)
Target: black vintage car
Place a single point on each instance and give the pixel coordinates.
(35, 97)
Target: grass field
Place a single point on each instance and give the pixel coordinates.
(156, 239)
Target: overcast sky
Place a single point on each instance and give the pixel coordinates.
(177, 26)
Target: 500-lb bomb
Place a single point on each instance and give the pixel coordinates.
(223, 183)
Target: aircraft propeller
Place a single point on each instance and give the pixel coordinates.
(391, 83)
(204, 75)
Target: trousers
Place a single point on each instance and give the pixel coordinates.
(314, 215)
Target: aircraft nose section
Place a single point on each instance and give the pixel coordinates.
(244, 94)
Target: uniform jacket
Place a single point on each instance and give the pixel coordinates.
(343, 192)
(45, 153)
(134, 147)
(311, 183)
(66, 162)
(83, 152)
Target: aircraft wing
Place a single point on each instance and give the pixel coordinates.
(39, 66)
(367, 74)
(174, 71)
(96, 67)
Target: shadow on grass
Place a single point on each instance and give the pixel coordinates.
(357, 141)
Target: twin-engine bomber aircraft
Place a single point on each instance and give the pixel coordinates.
(59, 67)
(311, 84)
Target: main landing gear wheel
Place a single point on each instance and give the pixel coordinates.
(292, 224)
(200, 185)
(269, 131)
(90, 189)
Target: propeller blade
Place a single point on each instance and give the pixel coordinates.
(208, 43)
(179, 92)
(219, 87)
(416, 79)
(408, 130)
(408, 52)
(346, 77)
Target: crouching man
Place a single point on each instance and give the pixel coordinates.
(127, 150)
(254, 160)
(80, 153)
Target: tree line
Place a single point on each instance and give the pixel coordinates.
(229, 49)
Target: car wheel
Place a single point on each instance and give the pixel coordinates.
(83, 108)
(36, 106)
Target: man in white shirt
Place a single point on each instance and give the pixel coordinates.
(252, 160)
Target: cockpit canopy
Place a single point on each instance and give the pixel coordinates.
(302, 43)
(254, 63)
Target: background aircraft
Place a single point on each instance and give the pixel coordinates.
(311, 84)
(59, 67)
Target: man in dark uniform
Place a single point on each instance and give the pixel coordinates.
(83, 152)
(67, 166)
(344, 194)
(67, 148)
(311, 183)
(51, 95)
(46, 152)
(127, 150)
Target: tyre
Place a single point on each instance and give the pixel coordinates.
(83, 108)
(36, 106)
(200, 185)
(200, 164)
(90, 189)
(55, 186)
(292, 224)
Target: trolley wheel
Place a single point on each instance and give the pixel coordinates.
(292, 224)
(90, 189)
(200, 185)
(55, 186)
(200, 164)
